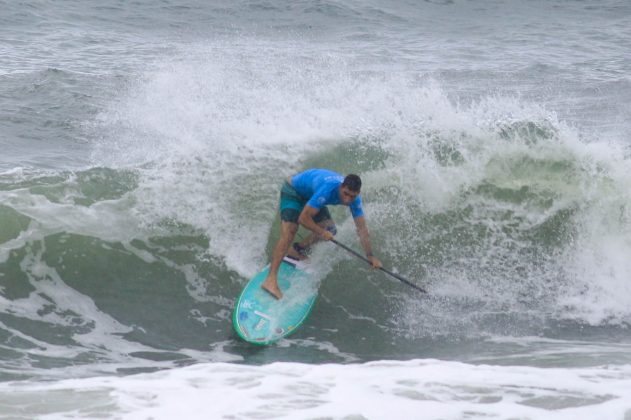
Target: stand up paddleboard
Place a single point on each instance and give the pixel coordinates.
(259, 318)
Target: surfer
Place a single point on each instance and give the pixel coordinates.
(303, 201)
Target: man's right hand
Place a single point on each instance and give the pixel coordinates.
(326, 235)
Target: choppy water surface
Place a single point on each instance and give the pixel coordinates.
(143, 146)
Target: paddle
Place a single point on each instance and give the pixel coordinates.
(396, 276)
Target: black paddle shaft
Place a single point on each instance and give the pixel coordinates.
(396, 276)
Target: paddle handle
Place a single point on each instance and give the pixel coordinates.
(396, 276)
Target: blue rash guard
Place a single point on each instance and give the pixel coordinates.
(322, 187)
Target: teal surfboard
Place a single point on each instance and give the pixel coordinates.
(261, 319)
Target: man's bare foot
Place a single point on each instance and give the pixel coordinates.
(271, 287)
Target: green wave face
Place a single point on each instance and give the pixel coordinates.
(515, 226)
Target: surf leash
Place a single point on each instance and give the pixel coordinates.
(396, 276)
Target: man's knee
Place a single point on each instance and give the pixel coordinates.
(290, 228)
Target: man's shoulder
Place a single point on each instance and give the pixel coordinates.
(328, 176)
(334, 179)
(326, 187)
(325, 175)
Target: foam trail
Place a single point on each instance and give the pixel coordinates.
(430, 388)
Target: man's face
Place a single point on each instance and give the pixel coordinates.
(347, 196)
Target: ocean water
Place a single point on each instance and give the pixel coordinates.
(143, 145)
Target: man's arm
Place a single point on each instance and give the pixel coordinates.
(364, 239)
(306, 220)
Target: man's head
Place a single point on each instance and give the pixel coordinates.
(350, 188)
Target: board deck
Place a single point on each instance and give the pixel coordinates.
(259, 318)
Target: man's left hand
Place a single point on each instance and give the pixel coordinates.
(374, 261)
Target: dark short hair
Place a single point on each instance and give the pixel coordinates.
(352, 182)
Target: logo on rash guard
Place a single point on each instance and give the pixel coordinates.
(321, 200)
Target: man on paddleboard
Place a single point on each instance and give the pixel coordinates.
(303, 200)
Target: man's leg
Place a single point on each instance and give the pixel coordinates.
(287, 232)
